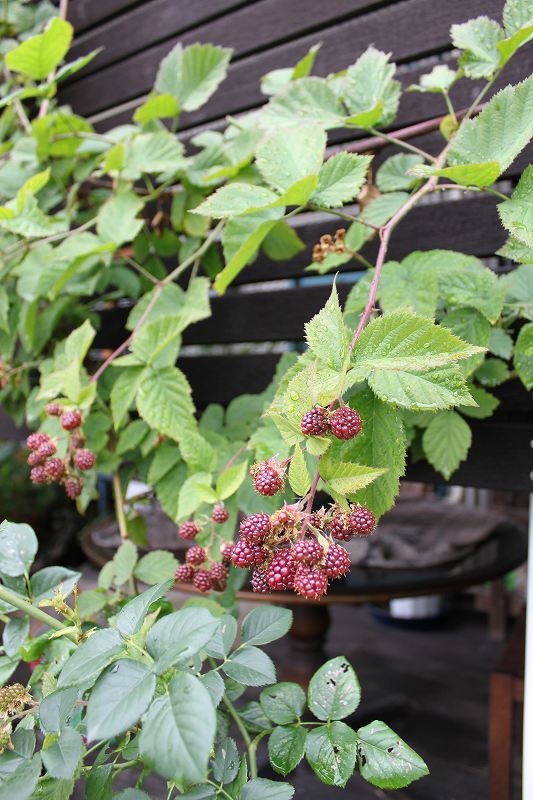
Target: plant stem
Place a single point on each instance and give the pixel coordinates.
(206, 244)
(344, 215)
(450, 107)
(245, 735)
(36, 613)
(391, 139)
(119, 507)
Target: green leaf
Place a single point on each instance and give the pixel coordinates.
(15, 634)
(523, 356)
(119, 698)
(158, 106)
(283, 703)
(432, 390)
(516, 214)
(179, 636)
(340, 179)
(236, 198)
(286, 156)
(492, 372)
(157, 342)
(327, 335)
(197, 453)
(516, 16)
(440, 79)
(499, 132)
(477, 174)
(123, 393)
(152, 153)
(56, 708)
(117, 219)
(308, 100)
(405, 341)
(299, 477)
(18, 547)
(132, 436)
(501, 343)
(478, 39)
(155, 567)
(37, 56)
(516, 251)
(334, 691)
(393, 175)
(241, 240)
(251, 667)
(486, 403)
(62, 755)
(178, 731)
(124, 560)
(226, 762)
(346, 478)
(7, 668)
(385, 760)
(282, 242)
(446, 442)
(331, 753)
(411, 284)
(131, 616)
(192, 75)
(286, 748)
(518, 286)
(230, 480)
(263, 789)
(265, 624)
(469, 325)
(98, 785)
(21, 783)
(164, 402)
(91, 657)
(370, 92)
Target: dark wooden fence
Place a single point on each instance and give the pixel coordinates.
(268, 34)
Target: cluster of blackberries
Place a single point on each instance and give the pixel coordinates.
(204, 574)
(344, 422)
(47, 467)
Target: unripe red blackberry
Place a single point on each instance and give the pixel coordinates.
(219, 575)
(246, 554)
(258, 582)
(35, 458)
(315, 422)
(220, 514)
(362, 521)
(73, 487)
(189, 530)
(84, 460)
(185, 573)
(38, 475)
(55, 468)
(337, 561)
(77, 439)
(280, 571)
(195, 555)
(54, 410)
(36, 440)
(226, 550)
(307, 551)
(71, 420)
(345, 423)
(47, 449)
(202, 580)
(255, 527)
(340, 527)
(310, 582)
(268, 477)
(316, 520)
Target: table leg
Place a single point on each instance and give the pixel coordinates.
(306, 642)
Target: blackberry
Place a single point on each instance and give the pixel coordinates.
(73, 487)
(54, 410)
(362, 521)
(189, 530)
(315, 422)
(202, 580)
(245, 554)
(71, 420)
(38, 475)
(219, 575)
(255, 527)
(185, 573)
(195, 555)
(345, 423)
(340, 527)
(259, 582)
(280, 571)
(307, 551)
(36, 440)
(220, 513)
(268, 477)
(47, 449)
(337, 561)
(225, 551)
(84, 460)
(35, 458)
(310, 582)
(55, 468)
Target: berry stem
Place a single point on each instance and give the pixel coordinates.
(37, 614)
(245, 735)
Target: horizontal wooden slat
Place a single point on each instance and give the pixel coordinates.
(407, 29)
(218, 379)
(85, 13)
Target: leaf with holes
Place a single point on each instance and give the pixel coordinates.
(331, 753)
(385, 760)
(334, 691)
(286, 748)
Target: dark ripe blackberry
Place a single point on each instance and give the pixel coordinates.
(220, 514)
(55, 468)
(280, 571)
(258, 582)
(189, 530)
(84, 460)
(37, 440)
(195, 555)
(35, 458)
(54, 410)
(315, 422)
(307, 551)
(245, 554)
(268, 478)
(226, 550)
(219, 575)
(340, 527)
(337, 562)
(185, 573)
(73, 487)
(71, 420)
(202, 580)
(38, 475)
(310, 582)
(255, 527)
(362, 521)
(345, 423)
